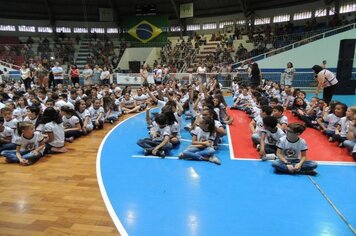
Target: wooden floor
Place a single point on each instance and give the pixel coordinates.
(59, 195)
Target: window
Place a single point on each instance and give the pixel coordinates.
(112, 30)
(331, 11)
(222, 24)
(176, 28)
(80, 30)
(63, 29)
(24, 28)
(7, 28)
(44, 30)
(97, 30)
(208, 26)
(193, 27)
(320, 12)
(262, 21)
(302, 15)
(240, 22)
(281, 18)
(350, 7)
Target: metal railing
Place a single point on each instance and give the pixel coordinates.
(298, 44)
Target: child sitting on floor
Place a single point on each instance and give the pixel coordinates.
(292, 153)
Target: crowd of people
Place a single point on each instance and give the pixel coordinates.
(36, 120)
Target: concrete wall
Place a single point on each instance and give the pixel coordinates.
(310, 54)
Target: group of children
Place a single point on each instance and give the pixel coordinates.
(201, 103)
(278, 140)
(37, 122)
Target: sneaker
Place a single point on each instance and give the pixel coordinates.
(215, 160)
(341, 145)
(268, 157)
(111, 121)
(308, 172)
(146, 152)
(161, 153)
(331, 139)
(258, 147)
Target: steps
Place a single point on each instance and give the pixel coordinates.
(82, 55)
(205, 50)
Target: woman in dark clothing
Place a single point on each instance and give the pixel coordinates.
(255, 79)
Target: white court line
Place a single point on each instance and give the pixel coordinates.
(106, 199)
(189, 140)
(156, 157)
(231, 149)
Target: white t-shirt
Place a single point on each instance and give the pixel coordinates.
(58, 133)
(272, 138)
(158, 134)
(71, 122)
(332, 120)
(19, 113)
(7, 132)
(57, 70)
(344, 123)
(105, 75)
(61, 103)
(30, 144)
(94, 113)
(203, 136)
(292, 150)
(201, 70)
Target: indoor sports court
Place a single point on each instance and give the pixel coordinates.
(140, 118)
(148, 195)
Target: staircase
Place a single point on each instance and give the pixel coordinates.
(205, 50)
(82, 55)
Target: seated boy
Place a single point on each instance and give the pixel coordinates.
(282, 119)
(292, 153)
(270, 135)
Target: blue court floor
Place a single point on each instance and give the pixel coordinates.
(153, 196)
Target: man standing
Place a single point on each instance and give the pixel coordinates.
(58, 75)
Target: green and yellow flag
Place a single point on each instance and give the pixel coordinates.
(146, 29)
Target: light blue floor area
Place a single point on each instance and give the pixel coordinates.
(349, 100)
(177, 197)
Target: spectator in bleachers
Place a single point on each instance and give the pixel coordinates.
(58, 74)
(26, 76)
(74, 74)
(87, 75)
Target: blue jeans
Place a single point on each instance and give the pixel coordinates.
(195, 153)
(150, 144)
(282, 167)
(329, 133)
(349, 145)
(7, 146)
(11, 157)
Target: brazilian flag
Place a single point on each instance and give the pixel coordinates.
(146, 29)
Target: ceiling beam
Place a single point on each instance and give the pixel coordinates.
(48, 5)
(175, 8)
(115, 11)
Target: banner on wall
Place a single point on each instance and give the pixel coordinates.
(146, 29)
(132, 79)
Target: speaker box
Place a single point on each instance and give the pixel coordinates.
(135, 66)
(346, 87)
(344, 69)
(347, 49)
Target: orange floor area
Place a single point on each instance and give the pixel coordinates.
(319, 148)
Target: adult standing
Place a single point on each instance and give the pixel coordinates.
(87, 75)
(326, 80)
(74, 75)
(105, 76)
(288, 75)
(201, 70)
(26, 76)
(58, 74)
(144, 76)
(42, 76)
(255, 79)
(96, 74)
(158, 75)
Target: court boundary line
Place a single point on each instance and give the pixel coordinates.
(338, 212)
(114, 217)
(326, 163)
(231, 149)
